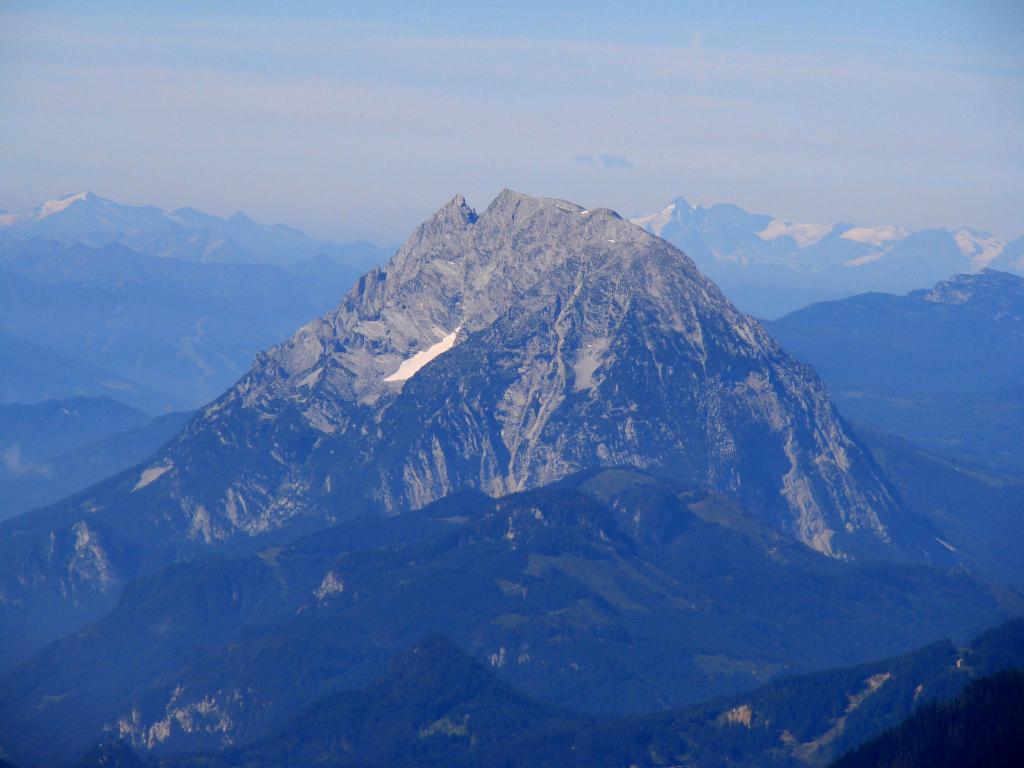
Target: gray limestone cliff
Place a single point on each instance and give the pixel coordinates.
(498, 351)
(557, 339)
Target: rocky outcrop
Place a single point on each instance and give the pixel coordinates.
(577, 340)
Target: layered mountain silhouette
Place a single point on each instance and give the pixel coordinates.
(940, 366)
(178, 331)
(436, 706)
(85, 218)
(500, 352)
(607, 592)
(51, 449)
(30, 373)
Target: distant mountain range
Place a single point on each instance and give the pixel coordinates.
(943, 366)
(87, 219)
(31, 373)
(159, 333)
(770, 267)
(164, 310)
(765, 265)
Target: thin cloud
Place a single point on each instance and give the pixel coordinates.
(605, 161)
(616, 161)
(398, 114)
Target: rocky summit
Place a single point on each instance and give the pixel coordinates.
(508, 349)
(498, 351)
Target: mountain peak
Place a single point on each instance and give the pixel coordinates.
(456, 211)
(507, 197)
(51, 207)
(656, 223)
(990, 286)
(551, 338)
(188, 234)
(511, 202)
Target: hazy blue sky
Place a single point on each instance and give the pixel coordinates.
(357, 120)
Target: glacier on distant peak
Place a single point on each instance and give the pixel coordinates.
(803, 234)
(979, 247)
(876, 236)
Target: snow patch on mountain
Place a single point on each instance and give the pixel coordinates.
(867, 258)
(411, 366)
(802, 234)
(979, 247)
(46, 209)
(876, 236)
(51, 207)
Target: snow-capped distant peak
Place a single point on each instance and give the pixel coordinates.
(656, 222)
(876, 236)
(803, 234)
(47, 209)
(979, 247)
(51, 207)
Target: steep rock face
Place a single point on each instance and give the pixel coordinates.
(498, 351)
(578, 340)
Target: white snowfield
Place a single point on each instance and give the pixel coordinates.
(409, 367)
(875, 235)
(803, 234)
(44, 210)
(978, 247)
(697, 228)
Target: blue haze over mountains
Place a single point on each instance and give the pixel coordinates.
(102, 302)
(770, 266)
(190, 561)
(172, 306)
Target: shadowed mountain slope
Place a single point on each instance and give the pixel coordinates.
(608, 592)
